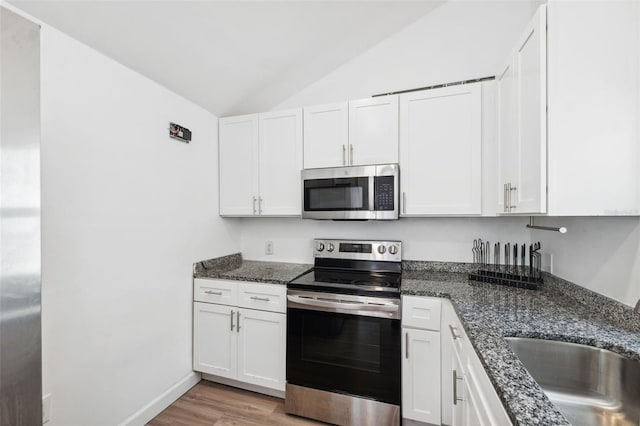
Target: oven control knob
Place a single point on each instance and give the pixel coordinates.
(381, 249)
(393, 249)
(319, 246)
(330, 247)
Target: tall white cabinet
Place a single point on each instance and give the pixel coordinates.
(569, 102)
(441, 151)
(522, 122)
(260, 158)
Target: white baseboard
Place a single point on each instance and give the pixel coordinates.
(157, 405)
(243, 385)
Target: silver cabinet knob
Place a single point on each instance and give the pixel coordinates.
(393, 249)
(330, 247)
(381, 249)
(320, 246)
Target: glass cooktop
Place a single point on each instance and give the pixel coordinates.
(349, 282)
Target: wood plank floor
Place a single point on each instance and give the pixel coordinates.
(210, 403)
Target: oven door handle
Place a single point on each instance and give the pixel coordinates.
(344, 306)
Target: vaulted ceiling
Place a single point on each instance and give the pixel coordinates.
(230, 57)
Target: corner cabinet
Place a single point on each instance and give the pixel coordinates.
(522, 125)
(239, 332)
(569, 102)
(468, 397)
(441, 151)
(260, 158)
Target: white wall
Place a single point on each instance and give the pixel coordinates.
(599, 253)
(447, 239)
(125, 213)
(459, 40)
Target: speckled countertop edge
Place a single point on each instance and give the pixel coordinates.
(233, 267)
(560, 311)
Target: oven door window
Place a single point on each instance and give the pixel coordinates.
(348, 354)
(336, 194)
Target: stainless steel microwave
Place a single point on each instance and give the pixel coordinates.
(351, 193)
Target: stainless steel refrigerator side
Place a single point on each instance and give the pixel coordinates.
(20, 283)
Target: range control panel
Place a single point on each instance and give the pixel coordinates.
(390, 251)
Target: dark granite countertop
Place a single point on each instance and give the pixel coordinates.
(559, 311)
(233, 267)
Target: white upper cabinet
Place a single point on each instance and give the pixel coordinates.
(326, 135)
(260, 157)
(441, 151)
(238, 165)
(594, 99)
(530, 195)
(569, 106)
(373, 131)
(507, 131)
(280, 163)
(522, 124)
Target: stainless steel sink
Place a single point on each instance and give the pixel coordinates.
(590, 386)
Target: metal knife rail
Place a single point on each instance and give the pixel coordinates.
(510, 271)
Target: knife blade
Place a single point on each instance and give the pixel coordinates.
(487, 259)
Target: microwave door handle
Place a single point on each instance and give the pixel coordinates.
(372, 181)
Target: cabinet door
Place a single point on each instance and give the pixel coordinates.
(457, 398)
(507, 132)
(441, 151)
(262, 348)
(421, 375)
(530, 57)
(326, 135)
(373, 131)
(238, 165)
(214, 339)
(280, 163)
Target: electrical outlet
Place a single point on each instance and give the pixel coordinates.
(268, 247)
(46, 408)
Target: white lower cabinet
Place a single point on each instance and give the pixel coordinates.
(421, 359)
(214, 344)
(468, 397)
(421, 376)
(246, 345)
(261, 348)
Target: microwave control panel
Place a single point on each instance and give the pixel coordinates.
(384, 193)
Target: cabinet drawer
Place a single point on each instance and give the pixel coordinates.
(265, 297)
(215, 291)
(421, 312)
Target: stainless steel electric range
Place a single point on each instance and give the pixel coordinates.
(344, 335)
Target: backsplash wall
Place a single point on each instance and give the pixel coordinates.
(448, 239)
(599, 253)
